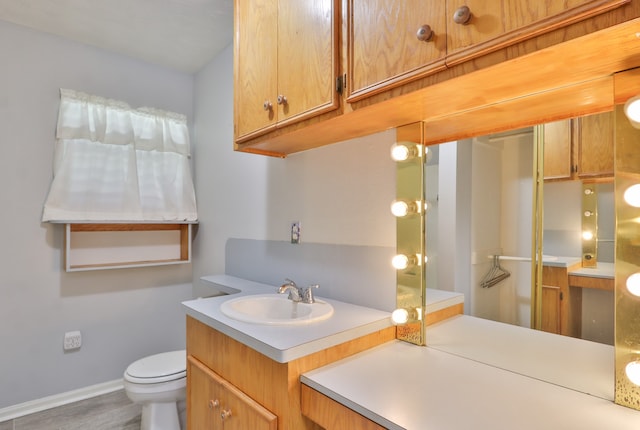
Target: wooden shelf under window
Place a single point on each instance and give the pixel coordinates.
(112, 246)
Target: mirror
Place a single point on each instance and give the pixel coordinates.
(481, 194)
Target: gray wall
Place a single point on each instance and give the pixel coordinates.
(122, 314)
(340, 193)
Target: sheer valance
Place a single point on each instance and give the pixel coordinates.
(115, 163)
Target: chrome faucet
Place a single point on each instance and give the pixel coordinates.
(297, 294)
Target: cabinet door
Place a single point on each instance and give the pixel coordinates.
(307, 58)
(213, 403)
(595, 145)
(383, 48)
(503, 22)
(551, 297)
(203, 398)
(255, 62)
(557, 150)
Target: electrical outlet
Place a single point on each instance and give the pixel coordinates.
(72, 340)
(295, 232)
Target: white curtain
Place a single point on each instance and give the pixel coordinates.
(114, 163)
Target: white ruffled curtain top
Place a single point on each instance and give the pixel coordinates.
(113, 163)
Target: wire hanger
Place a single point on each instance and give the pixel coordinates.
(495, 274)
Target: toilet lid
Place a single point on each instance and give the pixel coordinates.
(163, 367)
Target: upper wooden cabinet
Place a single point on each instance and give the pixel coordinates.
(393, 43)
(580, 148)
(285, 63)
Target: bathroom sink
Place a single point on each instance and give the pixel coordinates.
(275, 309)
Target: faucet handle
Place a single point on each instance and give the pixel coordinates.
(290, 282)
(307, 295)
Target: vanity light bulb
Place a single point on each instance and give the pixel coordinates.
(400, 316)
(632, 195)
(588, 213)
(588, 191)
(399, 208)
(400, 152)
(633, 372)
(632, 111)
(633, 284)
(405, 151)
(400, 262)
(587, 235)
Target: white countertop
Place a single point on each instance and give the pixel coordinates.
(458, 390)
(284, 343)
(602, 270)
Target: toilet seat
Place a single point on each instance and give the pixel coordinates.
(164, 367)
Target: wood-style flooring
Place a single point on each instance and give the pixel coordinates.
(112, 411)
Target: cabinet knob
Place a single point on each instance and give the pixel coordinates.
(213, 404)
(424, 33)
(226, 413)
(462, 15)
(282, 100)
(267, 105)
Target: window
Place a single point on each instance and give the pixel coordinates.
(113, 163)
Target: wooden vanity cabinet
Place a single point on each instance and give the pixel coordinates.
(561, 304)
(331, 414)
(285, 63)
(580, 148)
(216, 404)
(259, 385)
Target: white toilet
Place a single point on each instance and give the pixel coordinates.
(158, 383)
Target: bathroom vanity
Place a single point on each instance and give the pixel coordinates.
(562, 283)
(249, 374)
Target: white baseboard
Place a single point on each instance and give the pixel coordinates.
(56, 400)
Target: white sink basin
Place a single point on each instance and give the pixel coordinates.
(275, 309)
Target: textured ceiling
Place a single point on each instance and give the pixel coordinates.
(179, 34)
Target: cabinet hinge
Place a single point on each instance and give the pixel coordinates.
(561, 296)
(341, 82)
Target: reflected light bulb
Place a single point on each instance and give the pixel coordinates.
(400, 262)
(588, 191)
(633, 372)
(633, 284)
(632, 195)
(588, 213)
(587, 235)
(400, 316)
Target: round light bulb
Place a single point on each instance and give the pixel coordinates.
(633, 284)
(587, 235)
(588, 213)
(400, 316)
(399, 208)
(400, 262)
(399, 152)
(632, 195)
(632, 111)
(632, 370)
(588, 191)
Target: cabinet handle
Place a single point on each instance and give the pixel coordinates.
(267, 105)
(282, 100)
(424, 33)
(462, 15)
(226, 413)
(213, 404)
